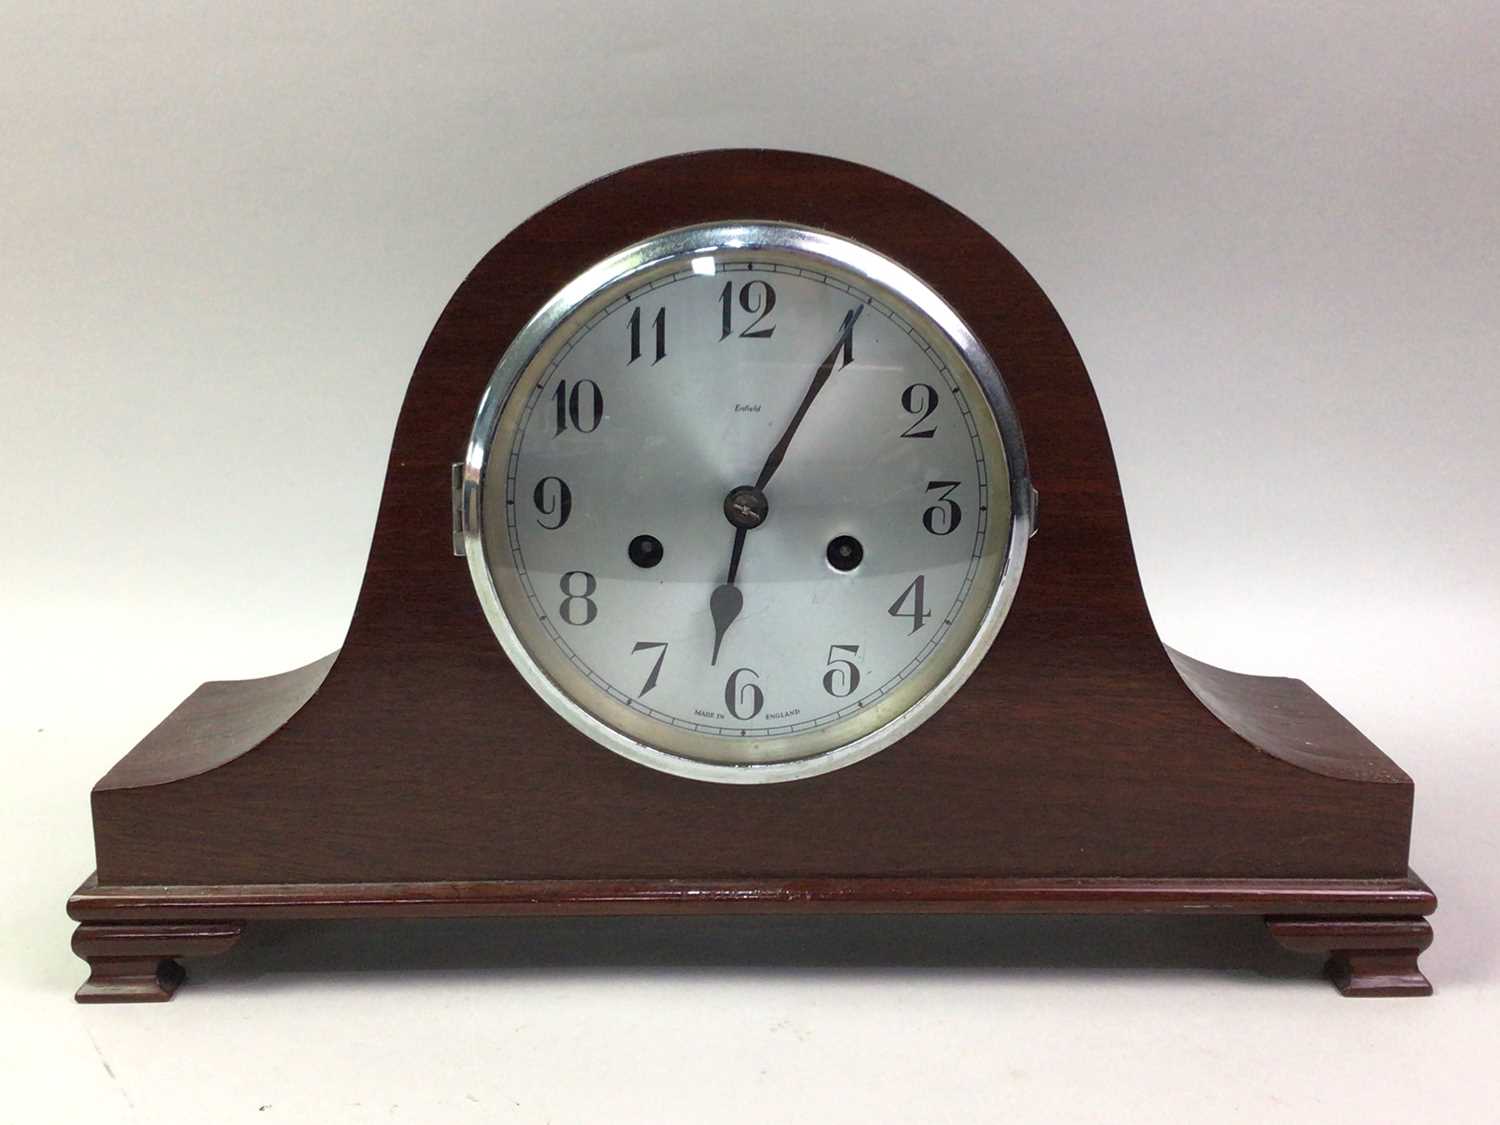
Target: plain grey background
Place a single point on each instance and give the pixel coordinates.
(224, 234)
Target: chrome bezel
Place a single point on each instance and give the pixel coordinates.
(847, 256)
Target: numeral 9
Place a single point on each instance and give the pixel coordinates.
(553, 501)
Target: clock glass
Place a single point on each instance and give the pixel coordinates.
(746, 502)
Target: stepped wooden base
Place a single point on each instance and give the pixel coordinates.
(1371, 929)
(1366, 956)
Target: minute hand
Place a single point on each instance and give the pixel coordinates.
(825, 369)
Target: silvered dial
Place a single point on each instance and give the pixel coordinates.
(746, 503)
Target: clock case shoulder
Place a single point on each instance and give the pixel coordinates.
(1081, 749)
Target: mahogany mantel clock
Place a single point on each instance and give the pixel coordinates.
(741, 453)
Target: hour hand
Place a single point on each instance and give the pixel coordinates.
(745, 507)
(725, 604)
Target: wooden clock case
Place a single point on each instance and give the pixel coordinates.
(1084, 768)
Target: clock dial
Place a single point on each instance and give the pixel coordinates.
(746, 503)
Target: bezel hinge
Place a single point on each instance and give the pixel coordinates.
(458, 508)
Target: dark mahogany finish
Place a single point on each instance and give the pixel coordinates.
(414, 769)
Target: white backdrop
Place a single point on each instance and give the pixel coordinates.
(224, 235)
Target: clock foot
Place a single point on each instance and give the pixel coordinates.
(1366, 956)
(136, 962)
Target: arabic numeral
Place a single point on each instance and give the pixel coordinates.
(583, 408)
(647, 646)
(747, 694)
(920, 399)
(916, 594)
(756, 297)
(659, 327)
(842, 678)
(572, 598)
(943, 517)
(556, 501)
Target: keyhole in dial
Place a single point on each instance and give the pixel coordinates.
(845, 552)
(645, 551)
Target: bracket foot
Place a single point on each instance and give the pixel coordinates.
(137, 962)
(1366, 956)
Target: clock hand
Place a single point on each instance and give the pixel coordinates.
(726, 601)
(820, 377)
(725, 604)
(734, 554)
(746, 506)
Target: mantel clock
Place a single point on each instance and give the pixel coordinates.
(751, 542)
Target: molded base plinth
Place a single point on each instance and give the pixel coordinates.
(1371, 929)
